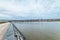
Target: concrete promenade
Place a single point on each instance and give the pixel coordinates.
(3, 30)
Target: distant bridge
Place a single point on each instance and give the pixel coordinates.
(36, 20)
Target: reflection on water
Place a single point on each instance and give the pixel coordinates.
(39, 30)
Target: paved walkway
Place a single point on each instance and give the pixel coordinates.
(3, 29)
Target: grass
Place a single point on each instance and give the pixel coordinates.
(2, 22)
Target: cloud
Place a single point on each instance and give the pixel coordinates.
(30, 8)
(3, 16)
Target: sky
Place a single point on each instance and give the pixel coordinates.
(29, 9)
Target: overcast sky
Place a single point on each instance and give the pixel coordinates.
(29, 9)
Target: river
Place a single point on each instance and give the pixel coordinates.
(36, 30)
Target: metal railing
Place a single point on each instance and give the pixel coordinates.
(17, 34)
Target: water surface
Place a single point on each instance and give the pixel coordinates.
(39, 30)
